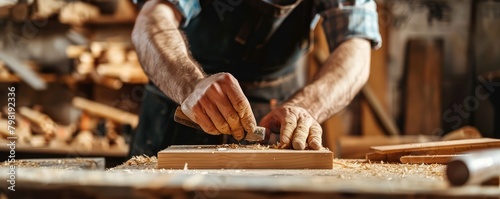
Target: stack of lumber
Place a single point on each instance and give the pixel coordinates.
(108, 63)
(431, 152)
(100, 127)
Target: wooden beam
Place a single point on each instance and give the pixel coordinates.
(455, 144)
(393, 153)
(242, 157)
(428, 159)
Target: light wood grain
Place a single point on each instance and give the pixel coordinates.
(466, 132)
(210, 157)
(102, 110)
(454, 145)
(423, 86)
(428, 159)
(393, 153)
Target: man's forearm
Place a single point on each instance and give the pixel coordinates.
(163, 52)
(340, 78)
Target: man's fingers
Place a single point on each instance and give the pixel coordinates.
(225, 107)
(314, 139)
(239, 102)
(301, 132)
(288, 126)
(204, 121)
(225, 104)
(215, 116)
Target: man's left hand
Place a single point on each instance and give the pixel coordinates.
(296, 126)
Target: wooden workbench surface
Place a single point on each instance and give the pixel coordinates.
(138, 178)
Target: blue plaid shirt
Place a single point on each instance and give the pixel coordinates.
(342, 19)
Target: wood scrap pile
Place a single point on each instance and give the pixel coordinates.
(99, 128)
(107, 63)
(42, 9)
(430, 152)
(74, 13)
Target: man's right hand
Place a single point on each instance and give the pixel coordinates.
(219, 106)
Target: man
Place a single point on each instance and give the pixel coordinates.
(238, 55)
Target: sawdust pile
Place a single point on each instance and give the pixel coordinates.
(256, 146)
(251, 146)
(388, 171)
(138, 162)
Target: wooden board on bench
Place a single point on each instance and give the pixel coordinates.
(242, 157)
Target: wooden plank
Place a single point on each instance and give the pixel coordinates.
(242, 157)
(440, 145)
(466, 132)
(393, 153)
(102, 110)
(358, 146)
(428, 159)
(423, 86)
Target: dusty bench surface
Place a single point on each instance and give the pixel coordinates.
(139, 178)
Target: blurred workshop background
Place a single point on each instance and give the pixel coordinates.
(79, 84)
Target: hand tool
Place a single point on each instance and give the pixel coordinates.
(474, 168)
(256, 136)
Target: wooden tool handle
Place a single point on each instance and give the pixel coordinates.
(182, 118)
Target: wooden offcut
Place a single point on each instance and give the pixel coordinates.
(457, 145)
(242, 157)
(393, 153)
(428, 159)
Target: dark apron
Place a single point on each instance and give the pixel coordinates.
(266, 71)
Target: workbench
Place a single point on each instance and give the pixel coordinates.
(139, 178)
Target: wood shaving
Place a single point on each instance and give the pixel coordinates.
(239, 146)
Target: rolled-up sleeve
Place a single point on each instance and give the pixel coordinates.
(188, 8)
(351, 19)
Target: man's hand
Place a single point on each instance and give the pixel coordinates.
(218, 105)
(295, 125)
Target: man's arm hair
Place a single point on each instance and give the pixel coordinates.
(163, 52)
(340, 78)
